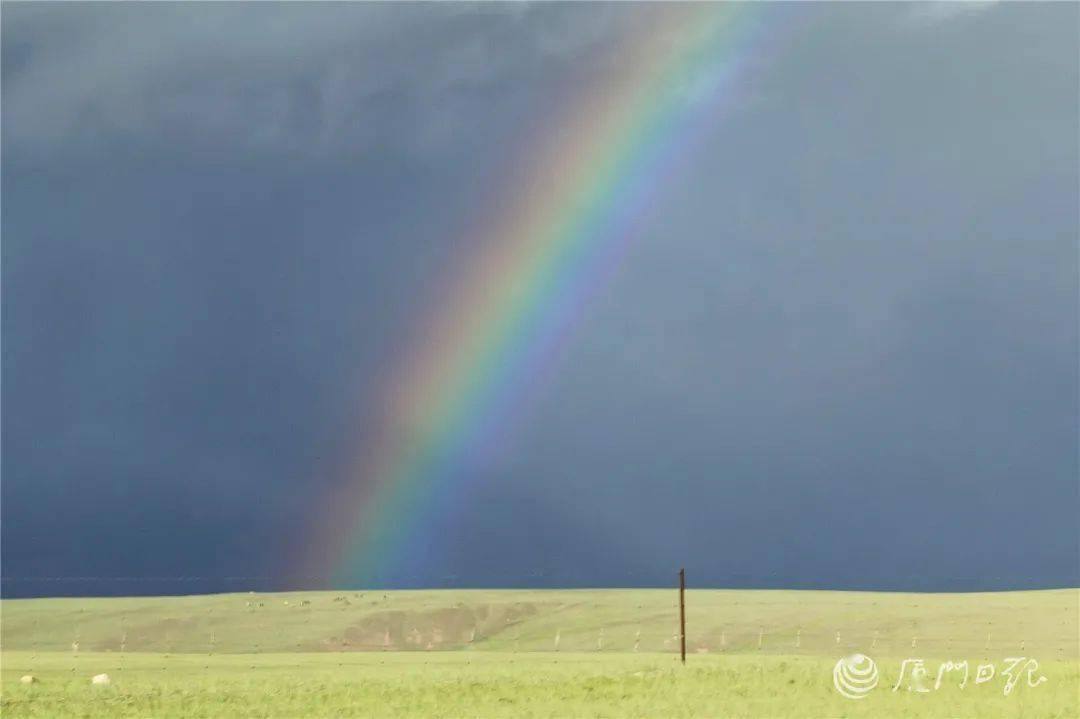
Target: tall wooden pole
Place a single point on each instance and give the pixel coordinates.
(682, 614)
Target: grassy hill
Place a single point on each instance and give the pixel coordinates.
(1043, 623)
(594, 653)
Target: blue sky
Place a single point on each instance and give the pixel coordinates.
(841, 353)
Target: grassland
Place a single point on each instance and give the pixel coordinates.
(529, 653)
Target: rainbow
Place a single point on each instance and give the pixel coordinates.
(586, 188)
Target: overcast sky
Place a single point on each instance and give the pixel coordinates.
(841, 353)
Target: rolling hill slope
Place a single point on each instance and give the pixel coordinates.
(1040, 623)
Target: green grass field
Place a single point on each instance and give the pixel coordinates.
(533, 653)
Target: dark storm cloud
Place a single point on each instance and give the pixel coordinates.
(284, 79)
(842, 353)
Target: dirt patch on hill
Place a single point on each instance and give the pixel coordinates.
(442, 628)
(165, 634)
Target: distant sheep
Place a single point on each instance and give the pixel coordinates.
(100, 679)
(28, 679)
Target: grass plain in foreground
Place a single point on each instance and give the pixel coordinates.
(492, 654)
(496, 684)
